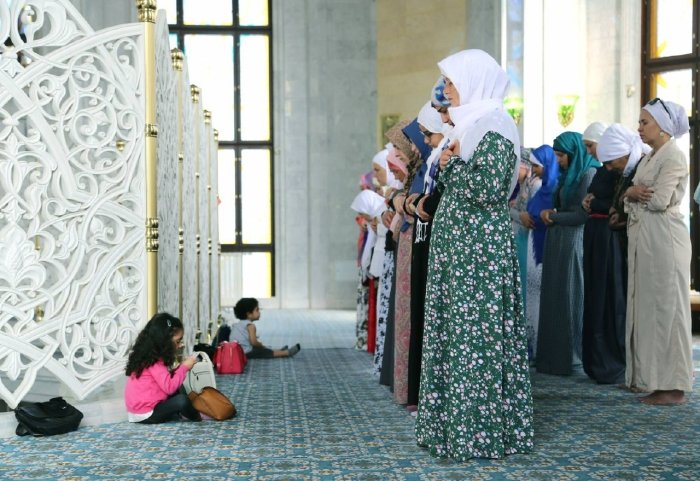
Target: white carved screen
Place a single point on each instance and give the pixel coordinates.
(72, 197)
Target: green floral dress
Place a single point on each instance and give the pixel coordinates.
(475, 398)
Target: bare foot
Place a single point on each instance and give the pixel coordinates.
(632, 388)
(664, 398)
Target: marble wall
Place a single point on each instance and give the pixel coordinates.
(324, 66)
(591, 48)
(412, 36)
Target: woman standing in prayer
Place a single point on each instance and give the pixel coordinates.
(528, 184)
(402, 279)
(475, 396)
(603, 293)
(620, 150)
(546, 170)
(431, 128)
(362, 310)
(659, 343)
(379, 269)
(561, 301)
(400, 170)
(370, 205)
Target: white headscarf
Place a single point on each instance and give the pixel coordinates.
(482, 84)
(430, 119)
(618, 141)
(594, 132)
(380, 158)
(369, 202)
(670, 116)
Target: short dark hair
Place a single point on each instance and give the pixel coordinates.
(244, 306)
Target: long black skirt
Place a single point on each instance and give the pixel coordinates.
(605, 302)
(419, 280)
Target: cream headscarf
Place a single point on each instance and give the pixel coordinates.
(618, 141)
(381, 159)
(430, 119)
(369, 202)
(482, 84)
(594, 132)
(670, 116)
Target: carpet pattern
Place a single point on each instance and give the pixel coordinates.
(322, 416)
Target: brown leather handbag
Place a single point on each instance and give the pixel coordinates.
(213, 403)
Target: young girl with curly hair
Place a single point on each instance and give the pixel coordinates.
(153, 392)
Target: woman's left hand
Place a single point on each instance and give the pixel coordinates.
(410, 208)
(586, 203)
(544, 215)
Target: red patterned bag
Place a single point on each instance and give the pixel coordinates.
(229, 358)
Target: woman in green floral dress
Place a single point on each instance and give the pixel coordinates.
(475, 398)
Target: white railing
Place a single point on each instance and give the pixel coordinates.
(73, 269)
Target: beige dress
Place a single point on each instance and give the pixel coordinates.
(658, 333)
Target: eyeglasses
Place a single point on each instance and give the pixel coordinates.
(657, 99)
(426, 133)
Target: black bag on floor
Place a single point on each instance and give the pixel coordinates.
(54, 416)
(208, 349)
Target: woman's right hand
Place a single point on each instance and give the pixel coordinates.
(639, 193)
(526, 220)
(421, 211)
(190, 361)
(453, 149)
(386, 218)
(398, 203)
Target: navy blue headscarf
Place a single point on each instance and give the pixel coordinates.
(412, 131)
(543, 198)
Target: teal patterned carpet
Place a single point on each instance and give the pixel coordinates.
(321, 416)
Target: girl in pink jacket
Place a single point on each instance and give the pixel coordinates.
(153, 391)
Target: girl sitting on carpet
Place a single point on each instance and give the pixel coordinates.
(153, 392)
(244, 333)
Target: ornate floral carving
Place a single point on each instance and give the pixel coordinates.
(71, 181)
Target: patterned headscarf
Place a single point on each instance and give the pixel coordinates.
(437, 95)
(571, 143)
(397, 137)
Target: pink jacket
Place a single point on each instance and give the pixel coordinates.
(154, 385)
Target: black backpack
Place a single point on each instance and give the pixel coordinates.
(206, 348)
(222, 335)
(54, 416)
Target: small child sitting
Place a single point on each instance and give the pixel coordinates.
(154, 392)
(244, 333)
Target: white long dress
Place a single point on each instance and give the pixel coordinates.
(658, 331)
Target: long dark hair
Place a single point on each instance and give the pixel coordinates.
(244, 306)
(154, 343)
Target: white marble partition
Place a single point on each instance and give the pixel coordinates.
(189, 256)
(214, 273)
(166, 120)
(202, 167)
